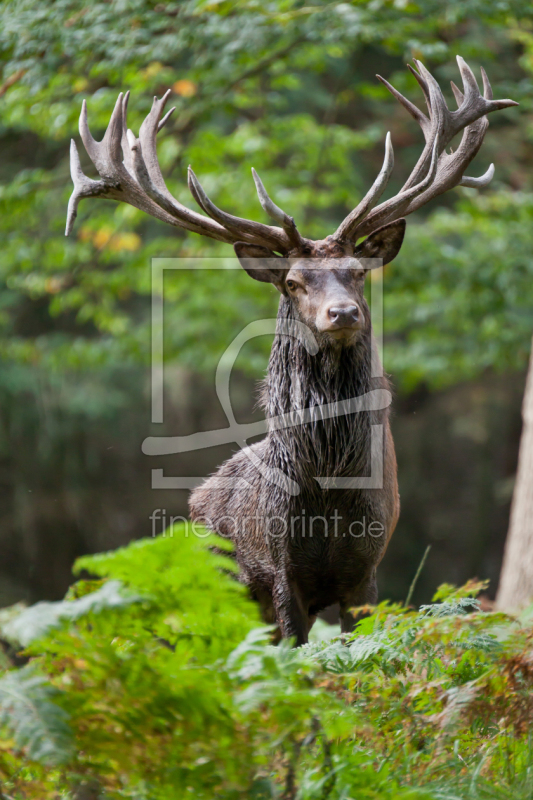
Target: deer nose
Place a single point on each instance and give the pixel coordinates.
(343, 317)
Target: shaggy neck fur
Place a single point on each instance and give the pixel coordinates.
(296, 380)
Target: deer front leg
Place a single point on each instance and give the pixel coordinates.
(291, 615)
(365, 593)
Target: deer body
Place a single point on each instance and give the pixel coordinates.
(295, 566)
(300, 554)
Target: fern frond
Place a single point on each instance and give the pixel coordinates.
(453, 608)
(37, 620)
(38, 725)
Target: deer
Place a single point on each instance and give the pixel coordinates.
(316, 458)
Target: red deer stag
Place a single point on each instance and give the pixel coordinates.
(294, 571)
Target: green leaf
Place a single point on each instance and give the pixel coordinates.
(37, 620)
(37, 724)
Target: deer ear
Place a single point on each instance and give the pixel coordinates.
(262, 264)
(385, 243)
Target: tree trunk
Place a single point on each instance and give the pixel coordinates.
(516, 579)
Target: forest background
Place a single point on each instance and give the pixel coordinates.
(290, 89)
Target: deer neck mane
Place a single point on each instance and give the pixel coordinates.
(297, 380)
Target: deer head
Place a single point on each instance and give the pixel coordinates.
(328, 298)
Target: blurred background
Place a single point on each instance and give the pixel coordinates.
(289, 89)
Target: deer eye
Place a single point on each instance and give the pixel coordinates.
(291, 285)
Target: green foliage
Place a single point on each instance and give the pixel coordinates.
(38, 725)
(290, 89)
(178, 692)
(141, 674)
(470, 272)
(35, 622)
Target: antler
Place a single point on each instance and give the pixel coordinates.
(436, 170)
(129, 172)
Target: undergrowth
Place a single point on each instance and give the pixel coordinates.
(155, 680)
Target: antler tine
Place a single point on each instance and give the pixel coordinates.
(207, 205)
(90, 144)
(471, 89)
(193, 190)
(166, 118)
(457, 93)
(433, 88)
(244, 229)
(395, 207)
(421, 82)
(487, 93)
(348, 226)
(413, 110)
(126, 152)
(276, 213)
(146, 153)
(83, 187)
(446, 169)
(478, 183)
(436, 130)
(138, 179)
(105, 155)
(487, 88)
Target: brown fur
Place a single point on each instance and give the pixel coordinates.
(293, 567)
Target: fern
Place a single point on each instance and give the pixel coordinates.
(34, 622)
(173, 690)
(483, 642)
(460, 605)
(37, 724)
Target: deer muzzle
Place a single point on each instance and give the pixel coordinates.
(341, 319)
